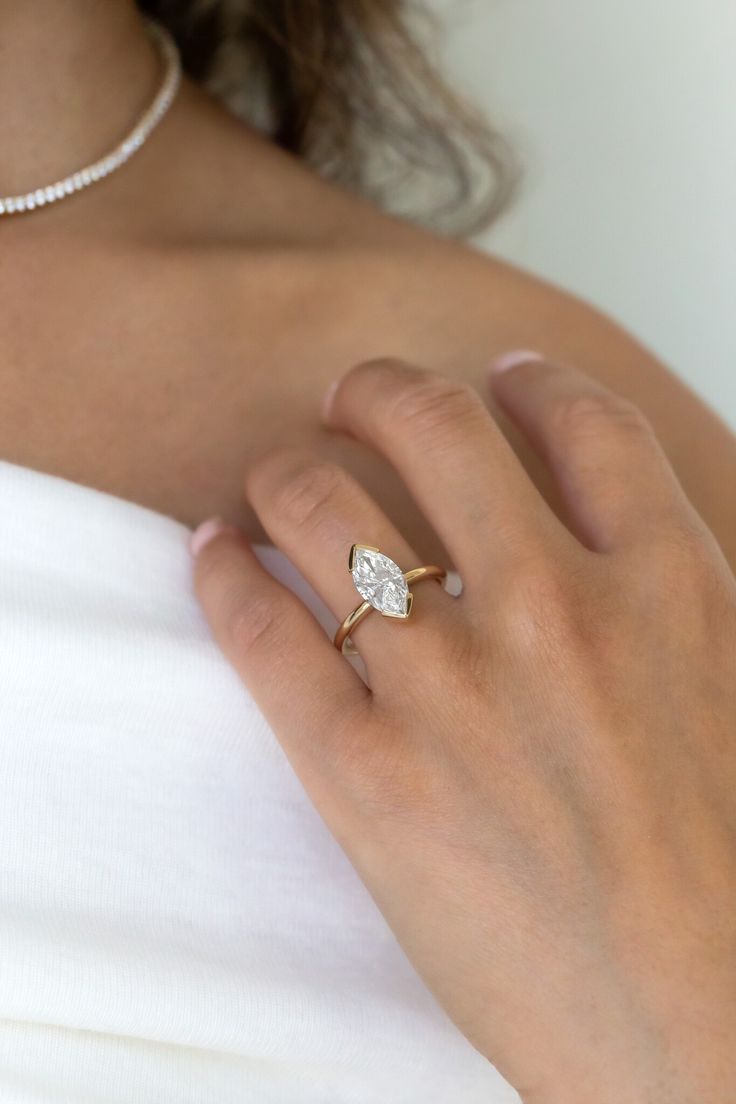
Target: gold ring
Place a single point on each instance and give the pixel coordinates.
(383, 586)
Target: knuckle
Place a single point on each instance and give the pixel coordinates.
(467, 658)
(301, 495)
(252, 625)
(587, 415)
(682, 564)
(544, 608)
(431, 404)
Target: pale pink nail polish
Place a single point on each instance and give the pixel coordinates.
(514, 359)
(329, 399)
(206, 532)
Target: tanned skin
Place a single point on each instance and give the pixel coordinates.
(163, 329)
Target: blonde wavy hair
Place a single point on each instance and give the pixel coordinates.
(349, 86)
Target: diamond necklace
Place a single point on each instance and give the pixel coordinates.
(98, 170)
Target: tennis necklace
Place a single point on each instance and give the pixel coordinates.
(98, 170)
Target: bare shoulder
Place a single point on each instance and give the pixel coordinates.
(232, 317)
(359, 283)
(409, 293)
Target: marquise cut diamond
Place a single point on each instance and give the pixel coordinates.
(380, 581)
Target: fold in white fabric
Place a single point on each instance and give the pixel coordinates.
(176, 922)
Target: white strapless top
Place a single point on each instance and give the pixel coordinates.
(177, 925)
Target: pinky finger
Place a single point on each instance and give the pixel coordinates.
(306, 690)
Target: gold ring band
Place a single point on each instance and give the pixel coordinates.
(342, 640)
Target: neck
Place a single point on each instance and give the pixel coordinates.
(74, 76)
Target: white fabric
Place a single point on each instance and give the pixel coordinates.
(176, 922)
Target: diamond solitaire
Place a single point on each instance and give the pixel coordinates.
(380, 581)
(383, 586)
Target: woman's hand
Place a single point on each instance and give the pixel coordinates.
(539, 787)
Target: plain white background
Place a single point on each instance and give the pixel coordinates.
(624, 112)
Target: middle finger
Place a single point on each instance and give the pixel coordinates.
(448, 450)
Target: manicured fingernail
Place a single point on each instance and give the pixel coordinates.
(206, 532)
(329, 399)
(514, 359)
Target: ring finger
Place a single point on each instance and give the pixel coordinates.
(314, 512)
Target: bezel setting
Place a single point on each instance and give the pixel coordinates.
(380, 581)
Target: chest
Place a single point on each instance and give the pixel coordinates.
(158, 378)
